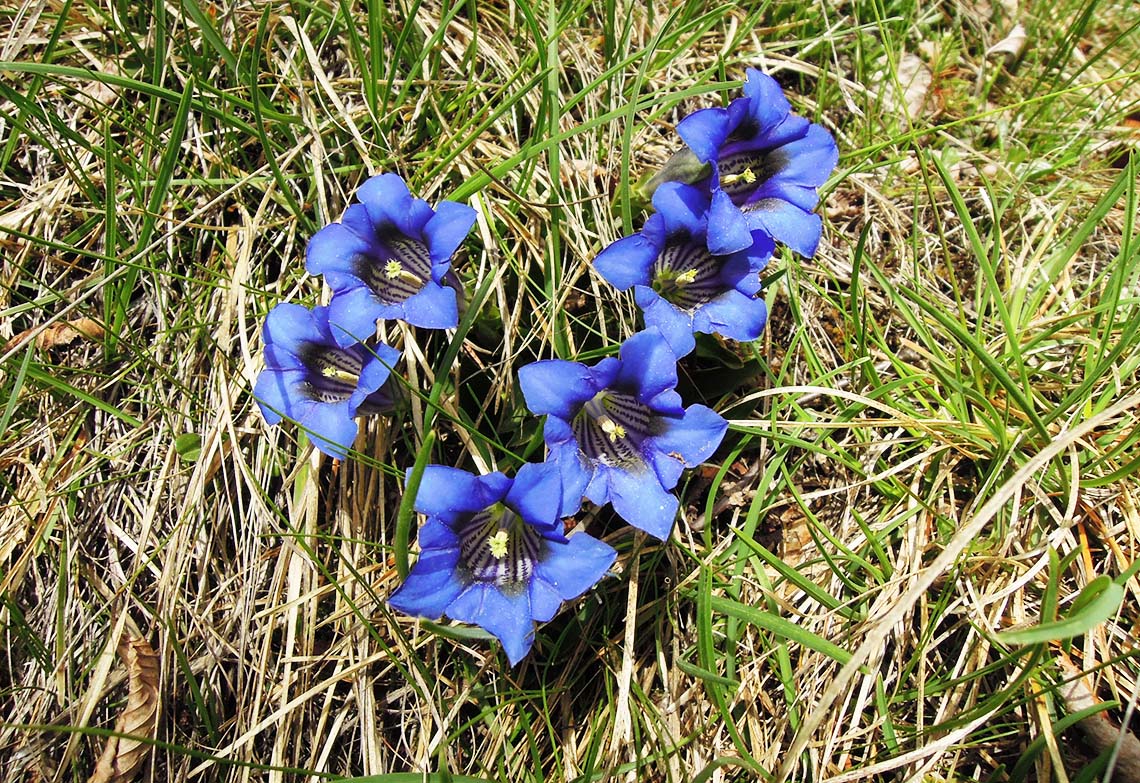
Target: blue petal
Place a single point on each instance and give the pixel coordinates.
(576, 566)
(556, 387)
(544, 599)
(598, 490)
(647, 365)
(557, 431)
(767, 104)
(803, 196)
(811, 159)
(536, 494)
(288, 327)
(740, 270)
(682, 207)
(674, 324)
(278, 358)
(435, 534)
(507, 617)
(627, 261)
(705, 131)
(575, 475)
(334, 249)
(431, 586)
(278, 394)
(446, 231)
(433, 307)
(733, 314)
(446, 492)
(374, 371)
(668, 468)
(728, 229)
(642, 502)
(389, 203)
(357, 220)
(793, 127)
(331, 427)
(786, 223)
(353, 314)
(693, 437)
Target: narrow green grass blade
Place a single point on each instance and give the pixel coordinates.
(406, 512)
(781, 627)
(1098, 601)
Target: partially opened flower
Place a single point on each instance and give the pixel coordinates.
(492, 553)
(766, 162)
(681, 286)
(312, 380)
(386, 259)
(618, 432)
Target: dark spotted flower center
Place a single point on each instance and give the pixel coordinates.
(398, 268)
(610, 429)
(742, 172)
(333, 373)
(687, 274)
(496, 546)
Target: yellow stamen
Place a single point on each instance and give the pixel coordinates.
(747, 177)
(686, 277)
(394, 270)
(341, 375)
(498, 543)
(612, 428)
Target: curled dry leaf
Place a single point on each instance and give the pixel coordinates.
(1099, 731)
(60, 333)
(122, 757)
(1012, 46)
(914, 79)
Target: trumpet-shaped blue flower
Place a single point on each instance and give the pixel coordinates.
(314, 381)
(679, 283)
(386, 259)
(492, 553)
(617, 430)
(766, 162)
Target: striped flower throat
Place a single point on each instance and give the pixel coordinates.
(742, 172)
(497, 546)
(611, 427)
(399, 269)
(332, 374)
(687, 275)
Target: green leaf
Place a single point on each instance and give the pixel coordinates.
(189, 446)
(1099, 601)
(781, 627)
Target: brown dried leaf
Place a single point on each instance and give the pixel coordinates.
(61, 333)
(1012, 46)
(1100, 732)
(914, 80)
(122, 757)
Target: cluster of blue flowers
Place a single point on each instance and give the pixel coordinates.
(493, 549)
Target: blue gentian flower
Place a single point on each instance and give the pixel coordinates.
(386, 259)
(766, 162)
(618, 432)
(312, 380)
(681, 286)
(492, 553)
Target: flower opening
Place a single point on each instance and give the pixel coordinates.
(387, 259)
(683, 283)
(492, 553)
(617, 430)
(496, 546)
(766, 163)
(316, 382)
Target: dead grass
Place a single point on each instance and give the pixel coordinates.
(909, 502)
